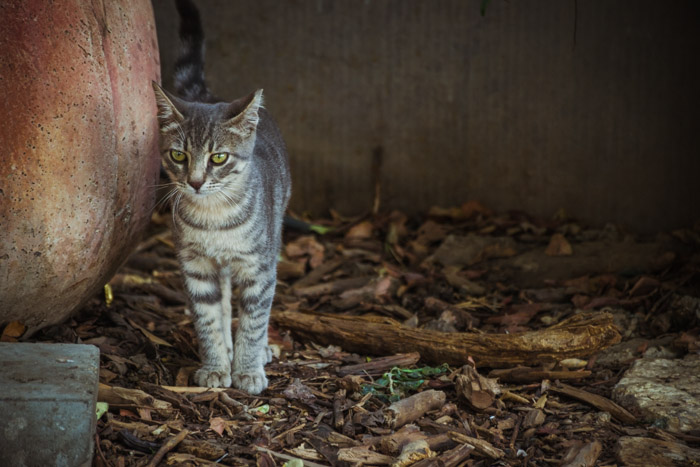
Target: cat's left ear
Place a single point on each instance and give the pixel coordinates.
(245, 121)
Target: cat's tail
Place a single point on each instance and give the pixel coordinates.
(189, 67)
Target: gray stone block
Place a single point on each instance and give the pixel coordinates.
(48, 394)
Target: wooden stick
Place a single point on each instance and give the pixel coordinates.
(578, 336)
(168, 446)
(411, 408)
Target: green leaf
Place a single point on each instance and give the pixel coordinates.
(101, 409)
(320, 229)
(263, 409)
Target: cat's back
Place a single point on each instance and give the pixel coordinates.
(271, 152)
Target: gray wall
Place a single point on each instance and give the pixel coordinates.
(590, 106)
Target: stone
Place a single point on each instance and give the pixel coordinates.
(80, 149)
(666, 392)
(47, 402)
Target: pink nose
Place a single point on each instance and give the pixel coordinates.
(196, 184)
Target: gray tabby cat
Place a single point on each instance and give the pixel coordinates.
(228, 166)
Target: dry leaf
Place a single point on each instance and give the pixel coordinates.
(306, 246)
(217, 424)
(559, 246)
(361, 231)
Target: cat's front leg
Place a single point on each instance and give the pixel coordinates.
(203, 286)
(251, 351)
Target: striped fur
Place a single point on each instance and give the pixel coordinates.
(227, 217)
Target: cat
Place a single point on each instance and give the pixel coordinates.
(231, 184)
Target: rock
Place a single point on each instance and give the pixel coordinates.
(48, 398)
(656, 387)
(634, 451)
(80, 153)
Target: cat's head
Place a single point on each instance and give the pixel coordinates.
(207, 148)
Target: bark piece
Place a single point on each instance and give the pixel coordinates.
(411, 408)
(480, 446)
(117, 396)
(479, 391)
(585, 456)
(636, 451)
(599, 402)
(413, 452)
(578, 336)
(362, 455)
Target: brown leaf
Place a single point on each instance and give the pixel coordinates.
(472, 208)
(306, 246)
(559, 246)
(361, 231)
(218, 425)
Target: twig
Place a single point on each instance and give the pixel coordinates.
(286, 457)
(599, 402)
(168, 446)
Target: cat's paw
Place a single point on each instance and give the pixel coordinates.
(269, 354)
(209, 377)
(252, 382)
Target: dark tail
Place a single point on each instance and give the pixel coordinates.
(189, 67)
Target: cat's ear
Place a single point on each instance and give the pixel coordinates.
(168, 114)
(245, 113)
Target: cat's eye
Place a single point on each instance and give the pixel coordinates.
(177, 156)
(219, 158)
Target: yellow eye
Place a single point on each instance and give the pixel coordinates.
(177, 156)
(219, 158)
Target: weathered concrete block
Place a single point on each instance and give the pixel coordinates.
(48, 394)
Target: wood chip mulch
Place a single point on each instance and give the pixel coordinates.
(463, 337)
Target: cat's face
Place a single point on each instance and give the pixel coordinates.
(206, 148)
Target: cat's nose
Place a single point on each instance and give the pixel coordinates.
(196, 184)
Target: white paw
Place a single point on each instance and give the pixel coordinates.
(209, 377)
(252, 382)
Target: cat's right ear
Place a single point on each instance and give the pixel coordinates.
(169, 117)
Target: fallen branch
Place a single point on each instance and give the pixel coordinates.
(580, 335)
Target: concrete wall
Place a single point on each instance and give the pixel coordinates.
(590, 106)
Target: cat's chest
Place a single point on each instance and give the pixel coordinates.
(216, 243)
(222, 237)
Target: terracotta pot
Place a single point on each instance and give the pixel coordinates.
(79, 149)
